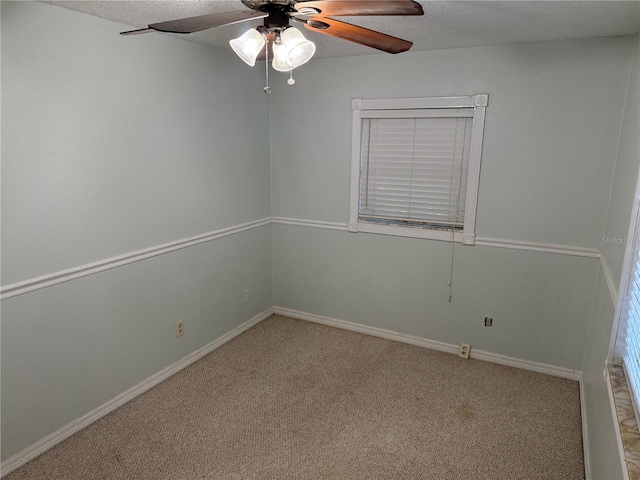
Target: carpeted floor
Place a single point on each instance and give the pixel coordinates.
(290, 399)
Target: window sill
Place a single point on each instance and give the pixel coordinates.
(413, 232)
(628, 426)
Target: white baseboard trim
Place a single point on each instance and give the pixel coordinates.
(32, 284)
(585, 432)
(75, 426)
(432, 344)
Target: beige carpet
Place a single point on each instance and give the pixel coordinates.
(290, 399)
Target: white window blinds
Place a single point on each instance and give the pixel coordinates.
(415, 166)
(414, 170)
(628, 340)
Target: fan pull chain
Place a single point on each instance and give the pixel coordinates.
(267, 89)
(450, 284)
(456, 217)
(291, 80)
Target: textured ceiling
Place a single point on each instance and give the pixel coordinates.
(446, 23)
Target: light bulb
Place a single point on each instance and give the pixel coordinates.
(248, 46)
(299, 49)
(280, 58)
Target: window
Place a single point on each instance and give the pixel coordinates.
(416, 166)
(626, 346)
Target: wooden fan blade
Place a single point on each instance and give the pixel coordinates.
(204, 22)
(353, 33)
(336, 8)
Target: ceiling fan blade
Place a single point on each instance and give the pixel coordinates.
(204, 22)
(138, 32)
(353, 33)
(362, 7)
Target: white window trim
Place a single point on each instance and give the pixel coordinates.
(625, 276)
(362, 109)
(614, 356)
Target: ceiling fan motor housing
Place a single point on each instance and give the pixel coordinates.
(277, 19)
(269, 5)
(279, 11)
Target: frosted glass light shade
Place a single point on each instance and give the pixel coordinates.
(299, 49)
(248, 46)
(280, 58)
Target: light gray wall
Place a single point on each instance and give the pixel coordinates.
(70, 348)
(550, 143)
(539, 301)
(112, 144)
(104, 134)
(601, 433)
(550, 134)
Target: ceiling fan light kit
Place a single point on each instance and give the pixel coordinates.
(289, 47)
(298, 50)
(248, 46)
(280, 59)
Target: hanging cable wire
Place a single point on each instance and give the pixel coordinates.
(456, 216)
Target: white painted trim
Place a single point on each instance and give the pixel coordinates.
(475, 160)
(634, 228)
(410, 232)
(432, 344)
(419, 113)
(462, 106)
(585, 432)
(310, 223)
(479, 241)
(627, 271)
(30, 285)
(527, 365)
(75, 426)
(538, 247)
(616, 424)
(609, 278)
(354, 192)
(464, 101)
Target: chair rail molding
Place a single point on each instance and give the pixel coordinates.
(479, 241)
(62, 276)
(30, 285)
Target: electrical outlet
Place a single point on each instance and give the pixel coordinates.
(465, 350)
(245, 297)
(179, 328)
(488, 321)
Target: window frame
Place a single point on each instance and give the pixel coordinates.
(615, 354)
(366, 108)
(632, 249)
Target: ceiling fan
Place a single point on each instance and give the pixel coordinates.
(291, 49)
